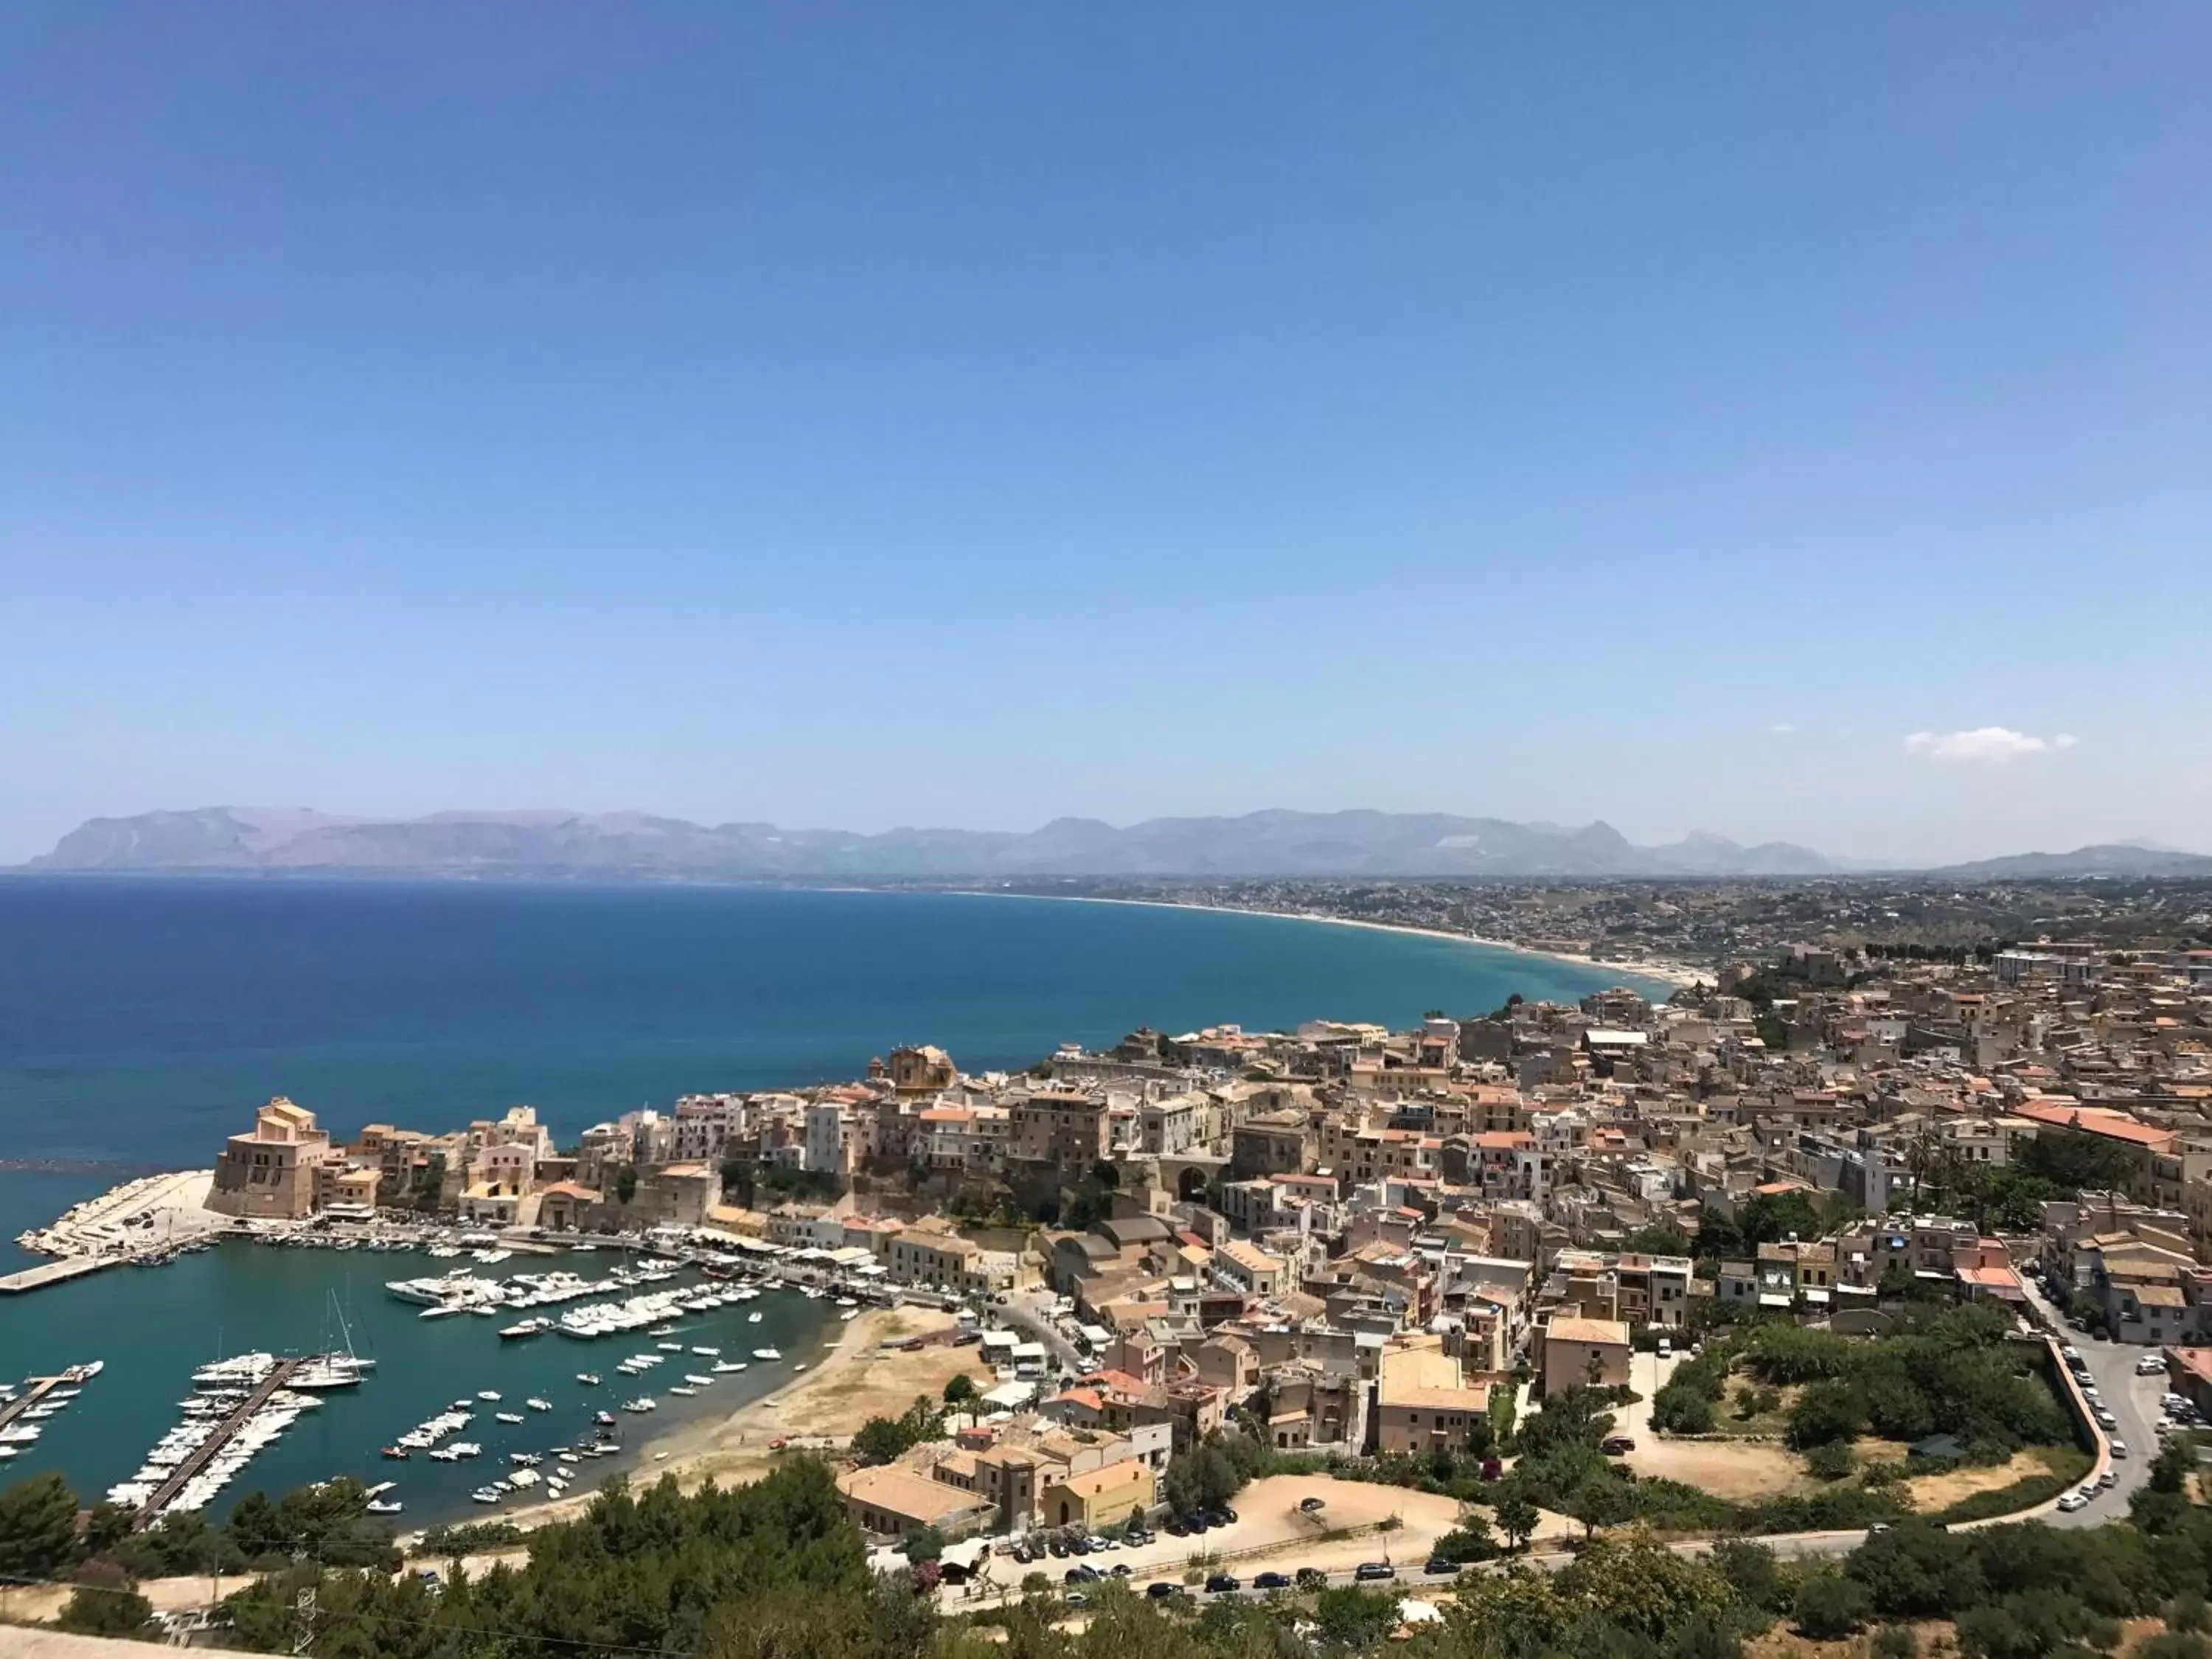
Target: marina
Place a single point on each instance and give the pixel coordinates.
(366, 1373)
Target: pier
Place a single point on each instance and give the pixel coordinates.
(40, 1387)
(54, 1272)
(205, 1454)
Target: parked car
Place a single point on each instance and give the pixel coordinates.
(1272, 1580)
(1309, 1504)
(1120, 1570)
(2149, 1365)
(2119, 1448)
(1058, 1546)
(1438, 1567)
(2073, 1501)
(1224, 1517)
(2106, 1419)
(2108, 1480)
(1666, 1348)
(1614, 1444)
(1312, 1575)
(1371, 1570)
(2070, 1353)
(1221, 1583)
(1079, 1575)
(1160, 1589)
(1076, 1599)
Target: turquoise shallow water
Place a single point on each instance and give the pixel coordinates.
(153, 1325)
(141, 1022)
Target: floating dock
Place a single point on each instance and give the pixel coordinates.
(204, 1452)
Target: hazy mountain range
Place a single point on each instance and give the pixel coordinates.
(640, 846)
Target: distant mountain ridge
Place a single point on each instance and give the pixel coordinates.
(553, 843)
(638, 846)
(2128, 859)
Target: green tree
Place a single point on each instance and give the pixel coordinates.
(882, 1439)
(107, 1525)
(923, 1543)
(1679, 1410)
(625, 1183)
(112, 1608)
(2171, 1469)
(959, 1388)
(1517, 1516)
(1827, 1412)
(38, 1528)
(1831, 1460)
(1351, 1619)
(1753, 1573)
(1602, 1500)
(1829, 1606)
(1470, 1541)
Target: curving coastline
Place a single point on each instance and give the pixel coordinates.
(1675, 974)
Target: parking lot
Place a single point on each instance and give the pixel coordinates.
(1272, 1533)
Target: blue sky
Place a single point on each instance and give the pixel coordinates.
(1788, 421)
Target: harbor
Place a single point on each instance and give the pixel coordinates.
(246, 1303)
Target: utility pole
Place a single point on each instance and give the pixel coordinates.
(303, 1636)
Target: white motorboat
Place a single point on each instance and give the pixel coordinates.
(644, 1402)
(538, 1405)
(768, 1353)
(589, 1379)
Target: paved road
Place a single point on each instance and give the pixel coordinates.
(1032, 1311)
(2132, 1399)
(1410, 1574)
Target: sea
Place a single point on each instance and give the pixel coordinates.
(142, 1020)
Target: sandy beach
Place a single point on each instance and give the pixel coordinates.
(1670, 973)
(858, 1379)
(821, 1408)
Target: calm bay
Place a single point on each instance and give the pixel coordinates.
(141, 1021)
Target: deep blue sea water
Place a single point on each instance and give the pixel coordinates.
(141, 1021)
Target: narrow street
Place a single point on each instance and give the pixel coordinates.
(2132, 1399)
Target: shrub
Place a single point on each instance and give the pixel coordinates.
(1827, 1412)
(1678, 1409)
(1833, 1461)
(1829, 1606)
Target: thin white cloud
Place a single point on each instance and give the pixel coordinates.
(1990, 745)
(1782, 729)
